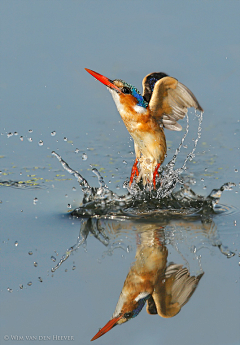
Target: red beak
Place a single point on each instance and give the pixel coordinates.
(104, 80)
(107, 327)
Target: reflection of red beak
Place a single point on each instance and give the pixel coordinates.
(104, 80)
(107, 327)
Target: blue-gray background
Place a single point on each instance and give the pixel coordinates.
(45, 46)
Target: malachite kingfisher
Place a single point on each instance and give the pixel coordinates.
(164, 101)
(164, 288)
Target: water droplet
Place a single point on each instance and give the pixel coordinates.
(205, 187)
(15, 133)
(9, 290)
(30, 140)
(236, 170)
(84, 157)
(30, 253)
(35, 264)
(124, 162)
(202, 179)
(30, 130)
(29, 283)
(53, 258)
(66, 196)
(10, 134)
(66, 270)
(40, 143)
(76, 150)
(53, 133)
(21, 286)
(73, 268)
(74, 189)
(21, 138)
(226, 251)
(65, 138)
(35, 200)
(193, 249)
(205, 169)
(69, 206)
(16, 243)
(40, 279)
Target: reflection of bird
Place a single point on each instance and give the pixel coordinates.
(166, 289)
(163, 103)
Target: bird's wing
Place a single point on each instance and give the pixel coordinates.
(169, 102)
(176, 291)
(184, 285)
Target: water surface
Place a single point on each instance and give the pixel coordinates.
(50, 103)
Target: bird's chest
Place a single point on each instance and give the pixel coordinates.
(136, 119)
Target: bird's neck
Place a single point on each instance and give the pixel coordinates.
(128, 107)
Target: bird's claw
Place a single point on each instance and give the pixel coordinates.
(156, 173)
(134, 172)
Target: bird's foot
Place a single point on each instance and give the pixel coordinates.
(155, 173)
(134, 172)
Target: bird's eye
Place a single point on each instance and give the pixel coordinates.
(128, 315)
(126, 90)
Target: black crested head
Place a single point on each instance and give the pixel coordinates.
(149, 82)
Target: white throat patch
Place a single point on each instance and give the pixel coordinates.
(116, 99)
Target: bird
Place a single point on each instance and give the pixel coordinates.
(164, 288)
(164, 101)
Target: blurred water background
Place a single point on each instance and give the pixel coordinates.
(50, 103)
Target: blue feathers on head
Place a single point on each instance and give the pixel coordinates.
(141, 303)
(136, 94)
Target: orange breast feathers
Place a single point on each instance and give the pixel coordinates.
(144, 129)
(137, 118)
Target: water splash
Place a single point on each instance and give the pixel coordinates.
(171, 198)
(171, 177)
(144, 200)
(80, 241)
(167, 200)
(101, 203)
